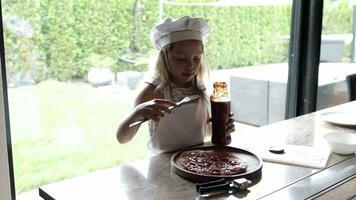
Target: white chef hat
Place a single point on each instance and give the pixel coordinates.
(185, 28)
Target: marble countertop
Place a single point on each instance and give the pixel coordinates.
(152, 177)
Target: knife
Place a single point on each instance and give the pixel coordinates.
(185, 100)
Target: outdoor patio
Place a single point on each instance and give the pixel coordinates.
(259, 92)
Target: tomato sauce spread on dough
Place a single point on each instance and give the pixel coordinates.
(211, 162)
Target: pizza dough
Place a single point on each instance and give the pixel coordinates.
(211, 162)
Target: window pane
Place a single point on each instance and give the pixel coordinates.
(336, 60)
(69, 87)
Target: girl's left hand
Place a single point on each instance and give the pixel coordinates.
(230, 126)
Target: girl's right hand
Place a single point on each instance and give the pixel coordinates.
(154, 109)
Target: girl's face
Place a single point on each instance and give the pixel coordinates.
(184, 61)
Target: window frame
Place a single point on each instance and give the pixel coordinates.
(5, 114)
(304, 57)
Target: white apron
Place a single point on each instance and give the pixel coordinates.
(184, 127)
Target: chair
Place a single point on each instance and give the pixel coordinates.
(351, 86)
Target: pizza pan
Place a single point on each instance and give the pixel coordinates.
(253, 162)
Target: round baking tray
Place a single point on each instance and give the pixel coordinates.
(253, 162)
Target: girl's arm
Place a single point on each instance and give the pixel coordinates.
(146, 106)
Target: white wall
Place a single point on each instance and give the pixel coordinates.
(5, 193)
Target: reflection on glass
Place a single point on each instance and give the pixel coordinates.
(74, 68)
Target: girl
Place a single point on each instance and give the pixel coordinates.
(179, 73)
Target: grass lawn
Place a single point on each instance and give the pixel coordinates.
(60, 130)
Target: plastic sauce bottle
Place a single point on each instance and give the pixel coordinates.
(220, 111)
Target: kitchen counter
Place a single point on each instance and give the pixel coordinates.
(152, 178)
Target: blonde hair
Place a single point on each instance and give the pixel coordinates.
(162, 74)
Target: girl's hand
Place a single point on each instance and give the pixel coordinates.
(230, 127)
(154, 109)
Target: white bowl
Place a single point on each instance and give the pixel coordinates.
(341, 143)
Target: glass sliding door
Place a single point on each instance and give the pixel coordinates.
(75, 67)
(73, 70)
(336, 52)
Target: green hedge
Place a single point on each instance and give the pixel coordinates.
(68, 34)
(337, 17)
(242, 36)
